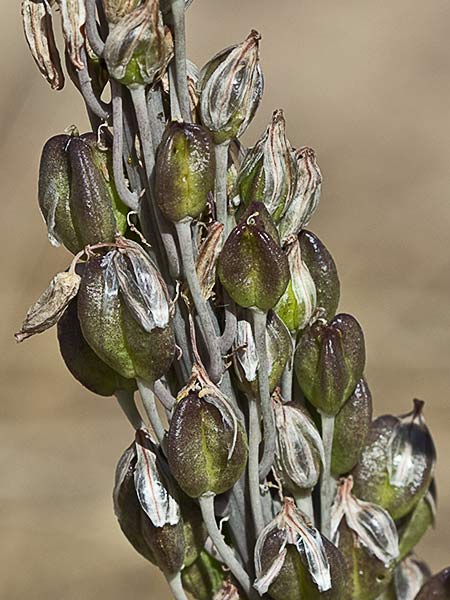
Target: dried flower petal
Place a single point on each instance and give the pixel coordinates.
(206, 264)
(409, 577)
(51, 305)
(154, 496)
(372, 524)
(38, 29)
(73, 13)
(246, 350)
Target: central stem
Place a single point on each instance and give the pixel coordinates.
(326, 484)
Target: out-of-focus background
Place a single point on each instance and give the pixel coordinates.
(367, 84)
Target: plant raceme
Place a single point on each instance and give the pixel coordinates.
(255, 469)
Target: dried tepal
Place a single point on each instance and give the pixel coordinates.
(254, 468)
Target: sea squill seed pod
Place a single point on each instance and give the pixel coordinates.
(82, 361)
(111, 329)
(231, 86)
(323, 271)
(207, 447)
(437, 587)
(146, 510)
(194, 529)
(246, 361)
(329, 361)
(73, 15)
(298, 303)
(367, 537)
(413, 527)
(184, 172)
(292, 560)
(269, 171)
(351, 426)
(139, 47)
(252, 267)
(204, 577)
(299, 449)
(38, 29)
(305, 198)
(396, 465)
(77, 196)
(409, 577)
(51, 304)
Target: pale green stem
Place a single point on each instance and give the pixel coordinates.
(305, 504)
(326, 484)
(179, 27)
(148, 400)
(259, 325)
(176, 586)
(215, 371)
(125, 399)
(226, 553)
(221, 152)
(254, 435)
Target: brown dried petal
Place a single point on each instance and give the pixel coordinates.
(207, 259)
(50, 306)
(73, 14)
(38, 29)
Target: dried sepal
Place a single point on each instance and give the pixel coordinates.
(152, 490)
(297, 305)
(51, 304)
(231, 86)
(38, 29)
(115, 10)
(305, 197)
(228, 591)
(268, 171)
(410, 443)
(73, 14)
(208, 255)
(245, 350)
(299, 448)
(142, 287)
(372, 525)
(291, 528)
(409, 577)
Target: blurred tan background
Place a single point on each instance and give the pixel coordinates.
(367, 84)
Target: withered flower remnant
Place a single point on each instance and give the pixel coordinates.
(73, 14)
(231, 86)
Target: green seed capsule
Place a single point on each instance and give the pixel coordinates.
(252, 267)
(414, 526)
(437, 587)
(396, 465)
(323, 271)
(351, 426)
(112, 330)
(207, 449)
(185, 170)
(329, 361)
(82, 361)
(204, 577)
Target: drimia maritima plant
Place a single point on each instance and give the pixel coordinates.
(256, 470)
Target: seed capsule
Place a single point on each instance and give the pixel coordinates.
(231, 87)
(207, 448)
(298, 303)
(305, 197)
(299, 448)
(81, 360)
(413, 527)
(323, 271)
(268, 172)
(112, 330)
(293, 560)
(329, 361)
(397, 462)
(204, 577)
(367, 537)
(139, 47)
(351, 426)
(77, 196)
(246, 361)
(50, 306)
(437, 587)
(185, 171)
(252, 267)
(38, 29)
